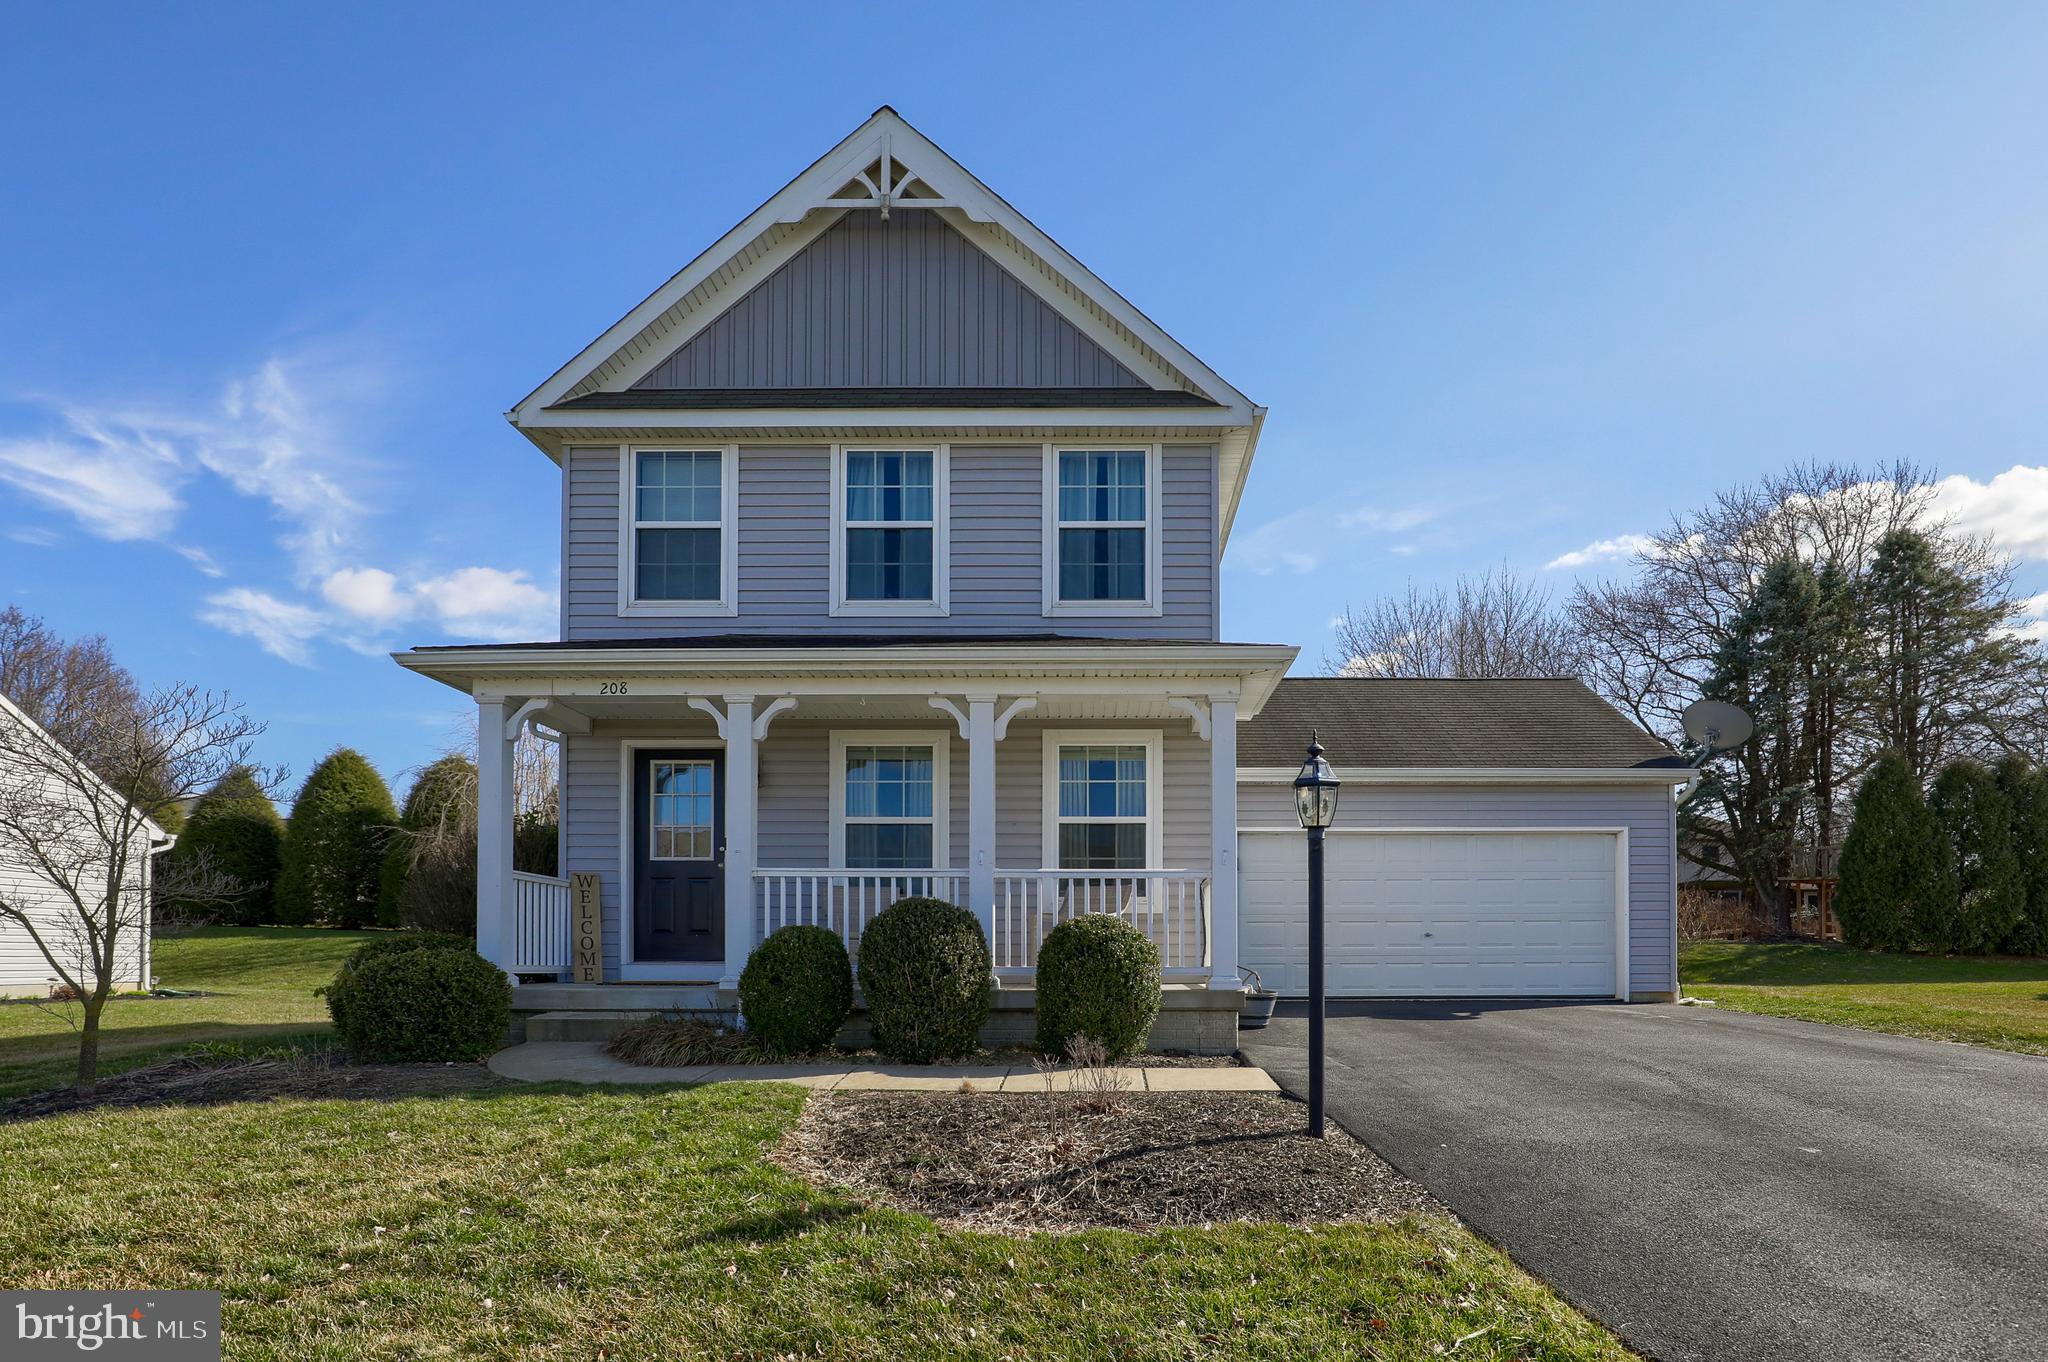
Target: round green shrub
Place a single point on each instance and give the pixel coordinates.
(419, 996)
(1098, 977)
(924, 970)
(797, 989)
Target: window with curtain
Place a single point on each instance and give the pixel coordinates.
(889, 525)
(1102, 517)
(889, 808)
(1102, 820)
(678, 525)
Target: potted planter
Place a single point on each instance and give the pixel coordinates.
(1259, 1001)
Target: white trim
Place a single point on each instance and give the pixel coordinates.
(1621, 868)
(1478, 775)
(1196, 710)
(1198, 424)
(1154, 602)
(1151, 739)
(940, 525)
(1011, 711)
(628, 890)
(939, 740)
(728, 602)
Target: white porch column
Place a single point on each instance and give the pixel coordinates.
(981, 811)
(494, 815)
(1223, 842)
(742, 785)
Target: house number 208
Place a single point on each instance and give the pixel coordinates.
(611, 688)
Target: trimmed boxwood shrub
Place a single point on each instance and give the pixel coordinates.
(1097, 977)
(924, 970)
(419, 996)
(797, 989)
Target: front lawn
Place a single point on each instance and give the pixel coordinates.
(259, 982)
(1997, 1002)
(646, 1224)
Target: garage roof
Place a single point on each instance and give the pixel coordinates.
(1439, 722)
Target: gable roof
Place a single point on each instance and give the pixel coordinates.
(1095, 339)
(23, 717)
(1372, 723)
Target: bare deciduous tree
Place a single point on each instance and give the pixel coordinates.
(78, 815)
(1493, 624)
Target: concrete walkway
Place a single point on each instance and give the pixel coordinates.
(566, 1061)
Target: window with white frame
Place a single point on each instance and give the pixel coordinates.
(1104, 801)
(1105, 525)
(889, 536)
(889, 800)
(679, 548)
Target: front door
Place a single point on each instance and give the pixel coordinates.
(678, 856)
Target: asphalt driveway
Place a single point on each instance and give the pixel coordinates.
(1713, 1185)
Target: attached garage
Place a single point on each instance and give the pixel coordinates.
(1497, 838)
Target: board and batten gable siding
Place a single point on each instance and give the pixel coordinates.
(1646, 811)
(997, 509)
(907, 303)
(794, 822)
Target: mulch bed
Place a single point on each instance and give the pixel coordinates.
(1023, 1162)
(205, 1082)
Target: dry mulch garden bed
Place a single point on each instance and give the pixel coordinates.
(1088, 1160)
(204, 1082)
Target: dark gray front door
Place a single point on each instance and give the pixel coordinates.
(678, 856)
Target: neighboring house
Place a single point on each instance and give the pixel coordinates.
(24, 972)
(891, 550)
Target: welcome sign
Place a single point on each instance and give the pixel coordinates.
(586, 927)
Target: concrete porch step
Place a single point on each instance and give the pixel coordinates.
(579, 1026)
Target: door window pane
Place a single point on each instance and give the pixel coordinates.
(683, 813)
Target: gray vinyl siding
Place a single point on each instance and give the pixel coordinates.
(1645, 812)
(794, 823)
(905, 304)
(997, 549)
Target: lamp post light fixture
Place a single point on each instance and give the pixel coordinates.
(1315, 804)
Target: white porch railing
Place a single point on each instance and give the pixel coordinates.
(1171, 907)
(539, 936)
(843, 902)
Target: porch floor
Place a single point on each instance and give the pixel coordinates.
(586, 1062)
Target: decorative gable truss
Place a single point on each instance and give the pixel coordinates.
(886, 266)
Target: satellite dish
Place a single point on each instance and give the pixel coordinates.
(1716, 725)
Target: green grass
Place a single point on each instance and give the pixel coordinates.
(261, 982)
(2001, 1003)
(646, 1224)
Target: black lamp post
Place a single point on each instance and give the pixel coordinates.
(1315, 804)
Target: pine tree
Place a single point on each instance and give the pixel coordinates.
(2026, 790)
(235, 830)
(1976, 820)
(334, 844)
(1894, 862)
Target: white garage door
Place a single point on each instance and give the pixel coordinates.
(1423, 915)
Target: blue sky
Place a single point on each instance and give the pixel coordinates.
(1514, 280)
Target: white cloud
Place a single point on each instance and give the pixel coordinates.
(1302, 541)
(367, 593)
(2033, 622)
(1603, 551)
(282, 628)
(2012, 508)
(489, 603)
(1397, 520)
(119, 484)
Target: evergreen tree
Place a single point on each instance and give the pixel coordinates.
(1945, 667)
(1976, 820)
(442, 802)
(1894, 861)
(334, 844)
(2026, 790)
(235, 830)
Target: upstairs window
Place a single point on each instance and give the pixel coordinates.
(679, 550)
(1104, 543)
(889, 538)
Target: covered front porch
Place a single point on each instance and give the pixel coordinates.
(719, 795)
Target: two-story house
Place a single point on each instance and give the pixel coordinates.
(891, 545)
